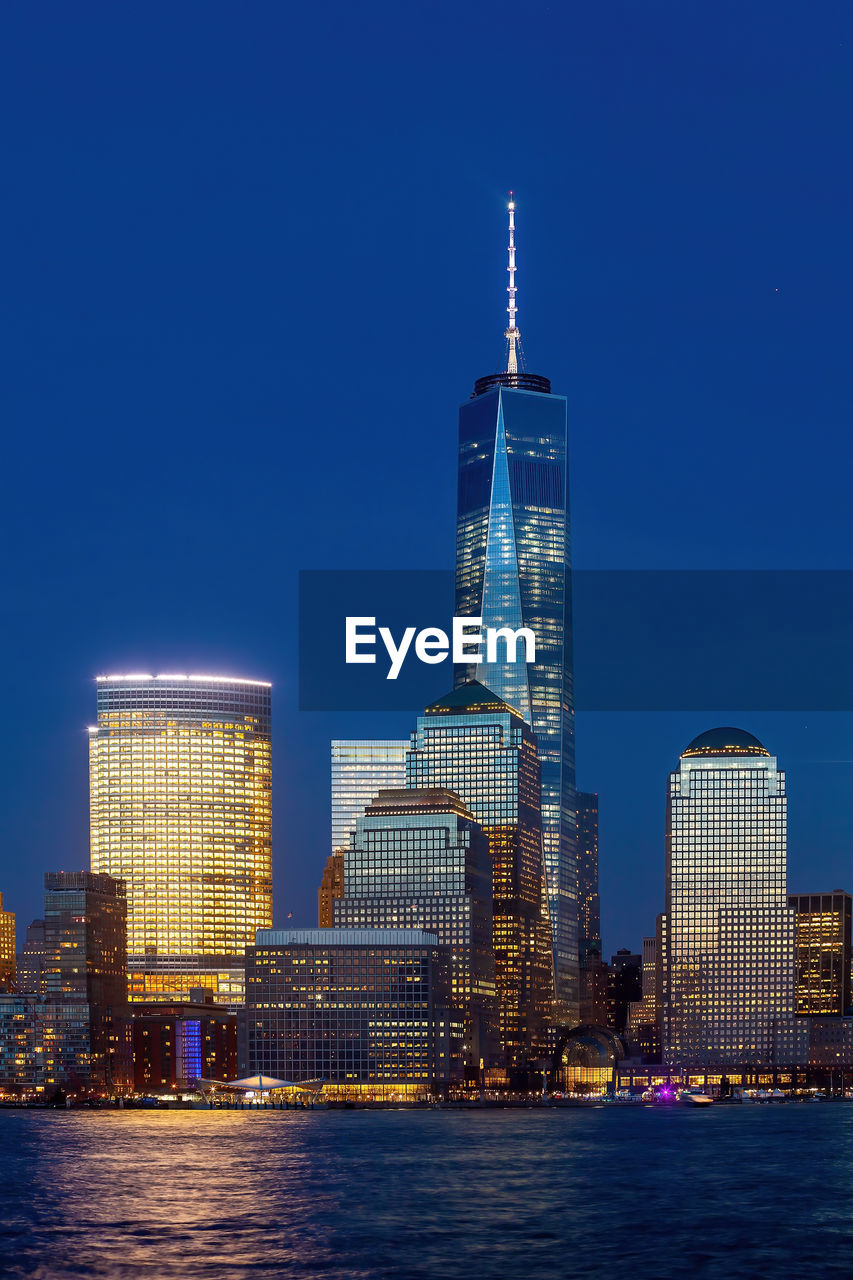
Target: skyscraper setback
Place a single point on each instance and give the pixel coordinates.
(180, 779)
(479, 747)
(513, 570)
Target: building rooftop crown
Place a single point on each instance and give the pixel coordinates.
(408, 800)
(724, 741)
(470, 698)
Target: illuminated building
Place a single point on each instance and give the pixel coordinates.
(176, 1045)
(7, 948)
(822, 952)
(20, 1047)
(361, 767)
(180, 810)
(31, 961)
(513, 570)
(728, 961)
(331, 887)
(478, 746)
(589, 908)
(85, 974)
(365, 1010)
(418, 860)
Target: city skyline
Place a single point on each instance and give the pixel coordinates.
(398, 968)
(660, 320)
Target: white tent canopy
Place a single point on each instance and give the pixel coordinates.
(263, 1084)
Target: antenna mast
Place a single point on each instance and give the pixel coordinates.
(512, 334)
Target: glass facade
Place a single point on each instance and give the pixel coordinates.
(418, 860)
(478, 746)
(180, 778)
(360, 769)
(728, 933)
(364, 1010)
(822, 952)
(513, 569)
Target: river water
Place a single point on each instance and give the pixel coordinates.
(639, 1192)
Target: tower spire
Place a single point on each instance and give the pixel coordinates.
(512, 334)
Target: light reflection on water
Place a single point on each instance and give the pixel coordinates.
(736, 1192)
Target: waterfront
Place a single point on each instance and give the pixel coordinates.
(740, 1191)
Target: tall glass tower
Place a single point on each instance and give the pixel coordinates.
(728, 932)
(513, 570)
(361, 768)
(180, 808)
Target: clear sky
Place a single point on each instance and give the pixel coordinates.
(253, 259)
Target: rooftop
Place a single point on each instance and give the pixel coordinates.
(725, 741)
(470, 697)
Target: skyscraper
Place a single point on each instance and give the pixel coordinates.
(513, 570)
(180, 810)
(85, 925)
(728, 932)
(418, 860)
(478, 746)
(822, 928)
(7, 948)
(362, 767)
(331, 887)
(589, 903)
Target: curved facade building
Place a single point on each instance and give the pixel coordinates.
(180, 780)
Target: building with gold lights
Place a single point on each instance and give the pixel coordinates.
(7, 948)
(180, 804)
(822, 952)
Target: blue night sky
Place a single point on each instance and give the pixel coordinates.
(254, 259)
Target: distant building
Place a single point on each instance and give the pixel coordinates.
(366, 1010)
(728, 960)
(7, 948)
(176, 1045)
(479, 747)
(22, 1065)
(822, 953)
(589, 903)
(594, 989)
(624, 986)
(331, 887)
(644, 1014)
(418, 860)
(85, 977)
(180, 802)
(32, 957)
(362, 767)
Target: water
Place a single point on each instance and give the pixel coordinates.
(731, 1191)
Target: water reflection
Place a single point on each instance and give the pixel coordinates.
(227, 1195)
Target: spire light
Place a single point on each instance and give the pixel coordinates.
(512, 334)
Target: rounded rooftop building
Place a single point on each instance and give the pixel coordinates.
(725, 741)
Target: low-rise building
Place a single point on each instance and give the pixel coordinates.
(367, 1010)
